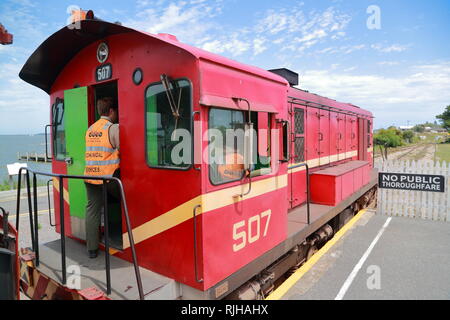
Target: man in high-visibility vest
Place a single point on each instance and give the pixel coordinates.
(102, 159)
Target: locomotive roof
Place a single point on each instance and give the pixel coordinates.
(49, 59)
(314, 99)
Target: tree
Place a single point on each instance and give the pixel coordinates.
(408, 136)
(445, 118)
(395, 130)
(385, 139)
(419, 128)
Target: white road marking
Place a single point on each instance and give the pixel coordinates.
(360, 263)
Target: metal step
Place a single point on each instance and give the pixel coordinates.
(92, 273)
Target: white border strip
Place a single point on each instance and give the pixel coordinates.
(360, 263)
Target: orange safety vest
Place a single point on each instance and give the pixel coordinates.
(233, 167)
(101, 158)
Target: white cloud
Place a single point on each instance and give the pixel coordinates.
(300, 31)
(349, 69)
(20, 18)
(388, 63)
(350, 49)
(23, 108)
(347, 49)
(194, 22)
(231, 45)
(389, 49)
(419, 93)
(297, 31)
(258, 46)
(316, 34)
(190, 21)
(213, 46)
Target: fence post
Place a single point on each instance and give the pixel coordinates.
(447, 190)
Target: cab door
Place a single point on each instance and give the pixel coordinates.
(348, 136)
(76, 124)
(341, 136)
(297, 174)
(334, 136)
(312, 136)
(354, 123)
(324, 137)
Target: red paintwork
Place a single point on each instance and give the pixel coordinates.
(348, 132)
(219, 260)
(334, 133)
(332, 185)
(312, 133)
(152, 192)
(324, 137)
(339, 133)
(296, 180)
(342, 135)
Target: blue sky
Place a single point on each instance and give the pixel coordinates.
(400, 72)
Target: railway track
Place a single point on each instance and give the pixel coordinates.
(413, 149)
(410, 152)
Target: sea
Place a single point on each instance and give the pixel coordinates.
(11, 145)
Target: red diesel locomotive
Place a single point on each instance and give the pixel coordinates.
(197, 234)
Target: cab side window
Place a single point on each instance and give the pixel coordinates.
(261, 145)
(59, 132)
(226, 145)
(168, 124)
(299, 139)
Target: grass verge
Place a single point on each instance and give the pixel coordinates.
(443, 152)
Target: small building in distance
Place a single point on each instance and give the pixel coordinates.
(404, 128)
(436, 130)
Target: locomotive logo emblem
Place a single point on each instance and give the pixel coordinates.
(102, 52)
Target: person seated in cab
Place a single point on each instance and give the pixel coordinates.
(102, 159)
(229, 167)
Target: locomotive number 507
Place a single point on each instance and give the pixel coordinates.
(252, 233)
(103, 72)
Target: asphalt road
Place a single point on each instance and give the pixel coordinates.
(410, 260)
(8, 200)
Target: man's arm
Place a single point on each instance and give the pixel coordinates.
(114, 136)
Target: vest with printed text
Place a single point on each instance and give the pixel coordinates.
(101, 158)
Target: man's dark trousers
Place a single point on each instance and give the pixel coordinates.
(94, 211)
